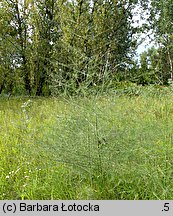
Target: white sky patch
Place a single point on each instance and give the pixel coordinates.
(146, 40)
(20, 4)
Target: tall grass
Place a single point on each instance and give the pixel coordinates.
(112, 146)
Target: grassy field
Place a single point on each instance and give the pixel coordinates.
(117, 146)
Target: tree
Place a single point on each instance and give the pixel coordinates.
(15, 38)
(161, 20)
(44, 35)
(96, 41)
(61, 45)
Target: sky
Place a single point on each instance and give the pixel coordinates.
(147, 43)
(138, 22)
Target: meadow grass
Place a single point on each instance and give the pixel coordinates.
(112, 146)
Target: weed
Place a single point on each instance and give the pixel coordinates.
(112, 146)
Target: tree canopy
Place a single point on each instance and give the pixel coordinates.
(53, 46)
